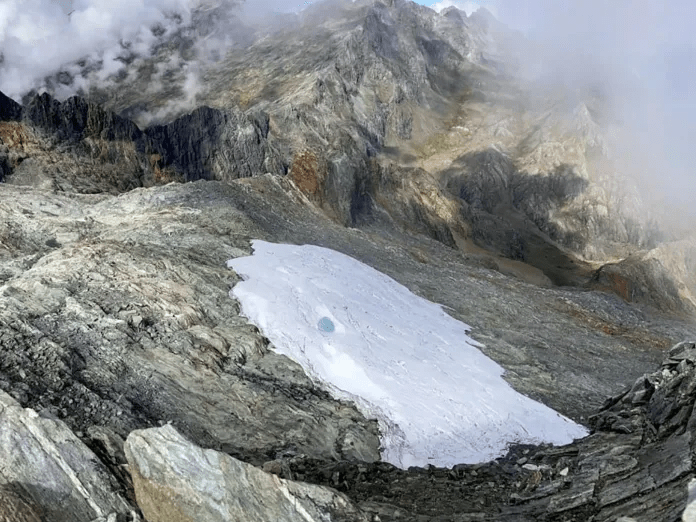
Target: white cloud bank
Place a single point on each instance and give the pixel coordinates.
(401, 358)
(37, 37)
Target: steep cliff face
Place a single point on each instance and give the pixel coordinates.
(79, 146)
(215, 144)
(74, 146)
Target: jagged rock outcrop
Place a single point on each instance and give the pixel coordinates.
(662, 277)
(636, 463)
(76, 146)
(10, 110)
(48, 472)
(361, 96)
(214, 144)
(99, 151)
(176, 481)
(76, 119)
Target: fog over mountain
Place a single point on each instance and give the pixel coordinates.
(639, 57)
(642, 56)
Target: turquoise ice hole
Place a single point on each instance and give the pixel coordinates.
(326, 325)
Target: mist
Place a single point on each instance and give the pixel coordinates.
(642, 55)
(64, 46)
(639, 57)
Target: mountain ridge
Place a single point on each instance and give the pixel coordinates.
(415, 149)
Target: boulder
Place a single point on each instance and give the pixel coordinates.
(177, 481)
(58, 476)
(13, 508)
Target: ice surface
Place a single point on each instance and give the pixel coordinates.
(401, 358)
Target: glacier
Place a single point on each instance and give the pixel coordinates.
(401, 358)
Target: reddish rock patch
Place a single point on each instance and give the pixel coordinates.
(308, 173)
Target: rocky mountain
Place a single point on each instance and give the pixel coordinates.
(399, 136)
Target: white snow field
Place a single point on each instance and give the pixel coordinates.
(401, 358)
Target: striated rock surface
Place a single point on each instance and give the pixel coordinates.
(77, 146)
(47, 473)
(215, 144)
(636, 463)
(117, 318)
(176, 481)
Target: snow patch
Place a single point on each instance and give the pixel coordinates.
(401, 358)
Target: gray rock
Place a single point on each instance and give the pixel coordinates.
(76, 119)
(189, 358)
(636, 464)
(214, 144)
(176, 481)
(52, 467)
(13, 508)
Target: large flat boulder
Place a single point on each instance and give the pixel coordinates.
(177, 481)
(58, 476)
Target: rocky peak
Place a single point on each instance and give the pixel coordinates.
(454, 14)
(76, 119)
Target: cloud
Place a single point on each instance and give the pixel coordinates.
(641, 56)
(38, 37)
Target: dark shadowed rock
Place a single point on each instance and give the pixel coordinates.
(214, 144)
(10, 110)
(636, 463)
(53, 468)
(76, 119)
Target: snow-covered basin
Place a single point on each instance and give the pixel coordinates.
(399, 357)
